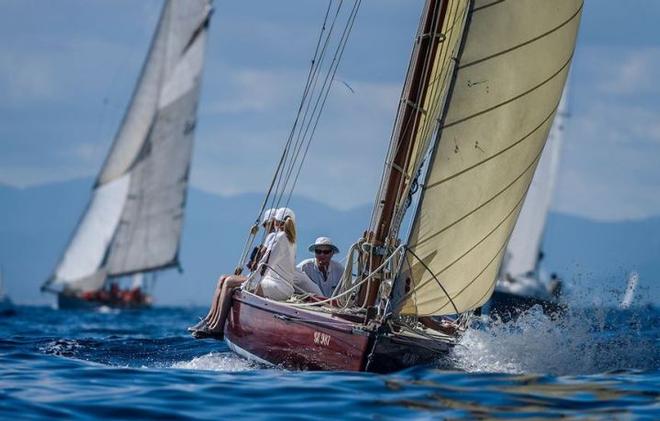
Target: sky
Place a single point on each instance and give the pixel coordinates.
(67, 70)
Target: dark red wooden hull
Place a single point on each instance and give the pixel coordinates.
(279, 334)
(293, 338)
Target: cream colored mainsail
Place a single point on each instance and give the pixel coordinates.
(441, 72)
(524, 248)
(511, 69)
(418, 118)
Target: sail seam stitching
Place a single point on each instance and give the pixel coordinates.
(566, 22)
(464, 119)
(444, 180)
(486, 6)
(516, 206)
(483, 204)
(496, 254)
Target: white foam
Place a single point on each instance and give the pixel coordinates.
(216, 361)
(61, 347)
(579, 343)
(107, 310)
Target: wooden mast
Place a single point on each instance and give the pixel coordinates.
(405, 132)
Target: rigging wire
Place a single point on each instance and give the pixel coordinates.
(254, 229)
(310, 76)
(300, 135)
(299, 140)
(330, 77)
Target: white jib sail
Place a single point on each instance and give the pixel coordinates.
(134, 218)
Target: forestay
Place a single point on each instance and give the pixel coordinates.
(133, 221)
(510, 73)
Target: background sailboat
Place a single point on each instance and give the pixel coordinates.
(521, 283)
(6, 305)
(133, 221)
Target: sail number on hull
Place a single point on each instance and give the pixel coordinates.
(322, 339)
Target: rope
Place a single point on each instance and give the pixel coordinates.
(434, 277)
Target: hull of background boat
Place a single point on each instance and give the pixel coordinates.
(273, 333)
(72, 302)
(6, 307)
(507, 306)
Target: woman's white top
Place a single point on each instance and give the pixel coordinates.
(280, 257)
(255, 277)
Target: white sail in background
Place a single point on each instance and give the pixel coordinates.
(134, 218)
(631, 287)
(510, 73)
(522, 253)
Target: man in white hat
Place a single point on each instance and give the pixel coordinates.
(322, 269)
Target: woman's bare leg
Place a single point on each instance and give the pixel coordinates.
(216, 296)
(218, 323)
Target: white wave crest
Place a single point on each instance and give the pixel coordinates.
(578, 343)
(61, 347)
(217, 362)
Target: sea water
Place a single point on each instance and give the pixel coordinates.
(593, 363)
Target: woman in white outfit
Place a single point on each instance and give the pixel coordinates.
(212, 324)
(281, 278)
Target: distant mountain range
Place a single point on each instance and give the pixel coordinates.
(36, 224)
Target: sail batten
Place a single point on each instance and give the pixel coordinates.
(134, 220)
(511, 70)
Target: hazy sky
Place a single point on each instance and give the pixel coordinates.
(67, 69)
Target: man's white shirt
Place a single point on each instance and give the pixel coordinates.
(327, 283)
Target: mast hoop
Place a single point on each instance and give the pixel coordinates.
(415, 106)
(430, 35)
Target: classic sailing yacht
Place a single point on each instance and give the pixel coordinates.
(483, 85)
(520, 285)
(132, 224)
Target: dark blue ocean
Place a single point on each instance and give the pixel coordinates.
(596, 364)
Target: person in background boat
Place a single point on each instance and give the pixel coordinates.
(322, 269)
(209, 325)
(281, 277)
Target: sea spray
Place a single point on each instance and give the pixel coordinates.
(216, 361)
(582, 341)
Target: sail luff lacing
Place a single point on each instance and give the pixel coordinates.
(431, 123)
